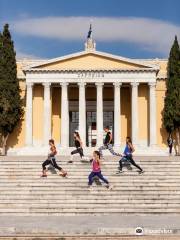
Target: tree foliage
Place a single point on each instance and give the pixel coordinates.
(171, 116)
(11, 110)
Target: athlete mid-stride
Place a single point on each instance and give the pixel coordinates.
(108, 143)
(51, 160)
(127, 156)
(79, 148)
(96, 170)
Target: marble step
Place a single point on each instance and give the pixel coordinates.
(84, 211)
(82, 183)
(91, 201)
(77, 206)
(102, 191)
(79, 188)
(98, 196)
(78, 161)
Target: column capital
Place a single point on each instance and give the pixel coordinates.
(46, 84)
(64, 84)
(117, 84)
(81, 84)
(152, 84)
(99, 84)
(29, 84)
(134, 84)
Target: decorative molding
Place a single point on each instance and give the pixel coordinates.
(85, 71)
(113, 77)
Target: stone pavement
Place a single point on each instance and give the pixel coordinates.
(97, 226)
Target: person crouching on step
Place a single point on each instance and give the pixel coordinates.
(52, 160)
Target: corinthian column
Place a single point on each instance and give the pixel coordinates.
(152, 113)
(99, 115)
(29, 125)
(117, 114)
(64, 115)
(82, 112)
(47, 113)
(134, 112)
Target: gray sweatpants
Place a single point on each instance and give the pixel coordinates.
(110, 148)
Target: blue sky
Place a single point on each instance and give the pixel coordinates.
(130, 28)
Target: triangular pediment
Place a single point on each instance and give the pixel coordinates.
(91, 61)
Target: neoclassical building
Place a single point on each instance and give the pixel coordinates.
(86, 91)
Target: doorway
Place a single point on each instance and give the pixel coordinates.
(91, 132)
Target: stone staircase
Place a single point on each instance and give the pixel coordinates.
(24, 193)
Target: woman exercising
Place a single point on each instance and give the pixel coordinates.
(78, 145)
(52, 160)
(127, 156)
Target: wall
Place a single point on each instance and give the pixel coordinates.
(160, 94)
(38, 93)
(17, 138)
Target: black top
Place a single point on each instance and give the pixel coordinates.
(170, 141)
(107, 138)
(77, 143)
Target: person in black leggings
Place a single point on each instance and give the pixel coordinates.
(52, 160)
(127, 155)
(170, 144)
(78, 145)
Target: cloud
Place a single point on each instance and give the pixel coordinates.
(23, 55)
(150, 34)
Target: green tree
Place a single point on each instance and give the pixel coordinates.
(171, 116)
(11, 110)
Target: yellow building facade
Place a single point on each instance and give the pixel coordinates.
(86, 91)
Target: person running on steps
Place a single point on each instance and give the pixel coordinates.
(52, 160)
(108, 143)
(79, 149)
(127, 156)
(96, 170)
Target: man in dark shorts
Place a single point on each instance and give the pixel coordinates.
(108, 143)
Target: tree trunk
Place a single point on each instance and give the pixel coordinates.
(4, 141)
(178, 140)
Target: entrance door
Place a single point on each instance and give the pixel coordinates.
(108, 120)
(73, 126)
(91, 129)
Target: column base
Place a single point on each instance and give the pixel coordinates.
(153, 145)
(136, 146)
(117, 145)
(88, 151)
